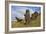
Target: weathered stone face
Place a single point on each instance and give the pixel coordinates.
(27, 16)
(34, 15)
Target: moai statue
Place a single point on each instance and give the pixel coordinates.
(27, 17)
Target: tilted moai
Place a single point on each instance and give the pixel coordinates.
(27, 17)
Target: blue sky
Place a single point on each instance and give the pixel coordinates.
(19, 11)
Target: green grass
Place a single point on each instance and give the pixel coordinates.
(33, 23)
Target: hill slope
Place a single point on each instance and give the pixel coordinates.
(33, 23)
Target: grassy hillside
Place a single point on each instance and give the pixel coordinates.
(33, 23)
